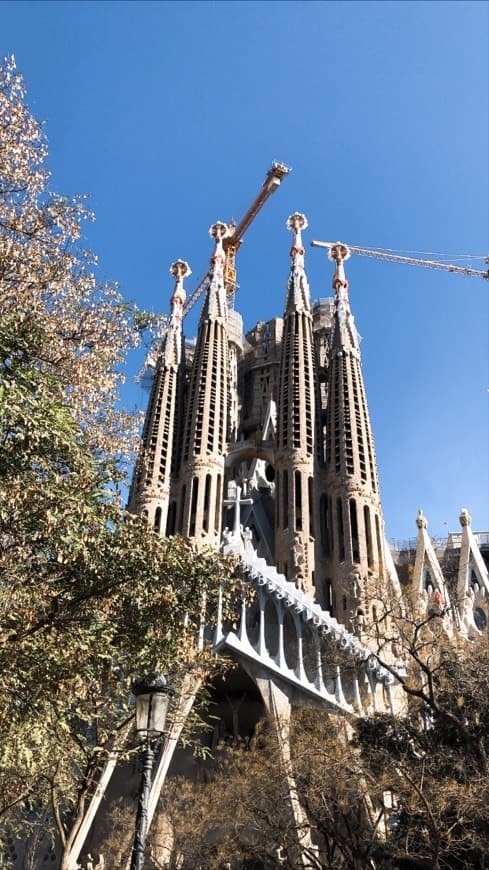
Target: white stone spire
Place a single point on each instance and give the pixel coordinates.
(180, 270)
(218, 231)
(150, 490)
(296, 457)
(207, 411)
(172, 348)
(295, 223)
(215, 302)
(339, 253)
(429, 587)
(298, 297)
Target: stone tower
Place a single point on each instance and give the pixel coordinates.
(150, 490)
(352, 526)
(296, 444)
(205, 435)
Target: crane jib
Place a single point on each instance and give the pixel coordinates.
(398, 258)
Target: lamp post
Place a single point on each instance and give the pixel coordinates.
(152, 699)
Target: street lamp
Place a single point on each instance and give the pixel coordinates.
(152, 699)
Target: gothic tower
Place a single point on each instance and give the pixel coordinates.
(352, 527)
(200, 489)
(296, 445)
(150, 490)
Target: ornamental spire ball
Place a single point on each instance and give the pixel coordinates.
(180, 269)
(218, 231)
(339, 253)
(295, 223)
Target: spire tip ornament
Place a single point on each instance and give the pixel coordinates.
(295, 223)
(421, 521)
(339, 253)
(179, 270)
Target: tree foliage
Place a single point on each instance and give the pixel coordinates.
(390, 792)
(89, 596)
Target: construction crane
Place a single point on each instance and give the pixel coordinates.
(344, 251)
(232, 242)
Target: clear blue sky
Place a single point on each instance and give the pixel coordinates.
(169, 114)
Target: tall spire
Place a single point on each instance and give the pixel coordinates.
(215, 304)
(352, 525)
(206, 420)
(150, 488)
(298, 297)
(297, 405)
(346, 334)
(179, 269)
(173, 344)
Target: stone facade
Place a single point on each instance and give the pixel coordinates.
(282, 414)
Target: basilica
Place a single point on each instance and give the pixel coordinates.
(281, 415)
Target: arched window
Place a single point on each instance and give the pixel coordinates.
(379, 545)
(298, 501)
(341, 529)
(193, 506)
(328, 595)
(171, 518)
(285, 501)
(324, 524)
(207, 498)
(217, 513)
(368, 536)
(355, 545)
(157, 520)
(310, 496)
(183, 496)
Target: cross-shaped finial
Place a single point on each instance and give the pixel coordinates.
(236, 501)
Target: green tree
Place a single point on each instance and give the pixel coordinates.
(89, 596)
(382, 791)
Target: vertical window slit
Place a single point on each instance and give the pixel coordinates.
(368, 536)
(341, 529)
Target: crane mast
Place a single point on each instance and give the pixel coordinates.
(398, 258)
(233, 240)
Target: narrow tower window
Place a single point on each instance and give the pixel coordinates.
(193, 506)
(217, 515)
(354, 531)
(379, 545)
(207, 497)
(323, 523)
(277, 502)
(171, 519)
(328, 595)
(368, 536)
(310, 496)
(341, 529)
(298, 501)
(157, 520)
(285, 501)
(182, 509)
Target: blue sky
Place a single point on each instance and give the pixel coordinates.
(169, 114)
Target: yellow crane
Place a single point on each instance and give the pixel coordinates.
(232, 242)
(343, 251)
